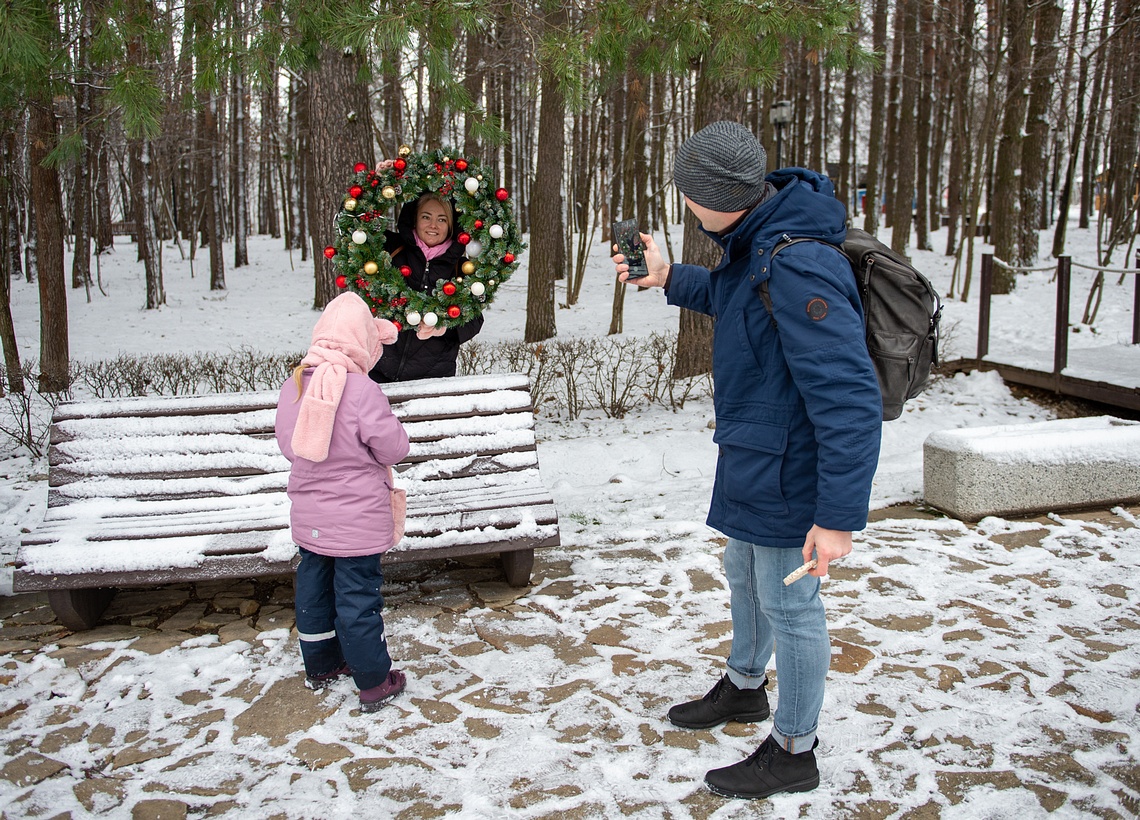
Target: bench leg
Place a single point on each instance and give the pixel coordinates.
(517, 565)
(79, 609)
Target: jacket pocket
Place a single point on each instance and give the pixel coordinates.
(750, 464)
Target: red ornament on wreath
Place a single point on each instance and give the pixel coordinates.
(399, 326)
(449, 289)
(478, 224)
(461, 165)
(355, 191)
(508, 258)
(330, 252)
(502, 195)
(405, 270)
(463, 238)
(342, 282)
(453, 311)
(358, 167)
(399, 164)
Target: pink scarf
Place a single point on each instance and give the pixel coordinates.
(346, 339)
(432, 253)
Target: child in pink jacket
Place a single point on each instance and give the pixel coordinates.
(335, 426)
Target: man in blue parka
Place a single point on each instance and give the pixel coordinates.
(798, 420)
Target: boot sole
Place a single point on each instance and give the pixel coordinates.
(753, 717)
(801, 786)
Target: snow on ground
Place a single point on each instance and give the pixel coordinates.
(987, 671)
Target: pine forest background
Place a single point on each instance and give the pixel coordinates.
(201, 123)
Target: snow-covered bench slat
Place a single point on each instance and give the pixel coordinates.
(179, 454)
(432, 476)
(158, 489)
(148, 520)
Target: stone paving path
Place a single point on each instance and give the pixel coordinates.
(249, 740)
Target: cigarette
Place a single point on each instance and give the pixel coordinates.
(800, 573)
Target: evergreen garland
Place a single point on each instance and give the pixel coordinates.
(484, 225)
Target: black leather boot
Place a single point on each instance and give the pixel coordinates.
(724, 702)
(768, 770)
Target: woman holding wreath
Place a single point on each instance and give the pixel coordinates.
(424, 241)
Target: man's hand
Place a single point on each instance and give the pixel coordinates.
(425, 332)
(656, 265)
(825, 546)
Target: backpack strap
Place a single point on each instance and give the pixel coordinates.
(762, 289)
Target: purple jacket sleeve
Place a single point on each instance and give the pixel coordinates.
(380, 430)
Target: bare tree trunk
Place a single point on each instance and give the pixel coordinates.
(1005, 216)
(902, 207)
(476, 71)
(81, 198)
(1034, 147)
(1095, 115)
(238, 146)
(923, 125)
(55, 362)
(894, 102)
(298, 235)
(392, 132)
(548, 250)
(142, 187)
(104, 235)
(1065, 199)
(961, 169)
(846, 133)
(269, 161)
(340, 133)
(213, 191)
(872, 190)
(817, 93)
(9, 261)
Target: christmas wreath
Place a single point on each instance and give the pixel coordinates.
(485, 226)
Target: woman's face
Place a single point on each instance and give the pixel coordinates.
(431, 223)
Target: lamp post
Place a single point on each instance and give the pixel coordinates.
(780, 114)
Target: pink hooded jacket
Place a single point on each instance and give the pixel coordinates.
(341, 436)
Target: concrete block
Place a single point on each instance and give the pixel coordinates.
(1037, 467)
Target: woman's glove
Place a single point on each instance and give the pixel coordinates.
(425, 332)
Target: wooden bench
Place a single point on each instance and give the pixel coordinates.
(154, 490)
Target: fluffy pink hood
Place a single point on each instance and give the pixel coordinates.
(347, 339)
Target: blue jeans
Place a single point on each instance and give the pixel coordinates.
(338, 605)
(767, 613)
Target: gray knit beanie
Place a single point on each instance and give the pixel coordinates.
(721, 167)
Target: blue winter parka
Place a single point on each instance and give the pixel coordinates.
(798, 409)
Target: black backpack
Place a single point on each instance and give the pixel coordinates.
(901, 311)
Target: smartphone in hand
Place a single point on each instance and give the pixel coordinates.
(627, 237)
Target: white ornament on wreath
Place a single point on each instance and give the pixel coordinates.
(359, 237)
(477, 289)
(413, 318)
(471, 184)
(496, 231)
(430, 319)
(473, 248)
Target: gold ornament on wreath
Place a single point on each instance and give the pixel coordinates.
(484, 225)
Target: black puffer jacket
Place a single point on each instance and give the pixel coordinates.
(411, 357)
